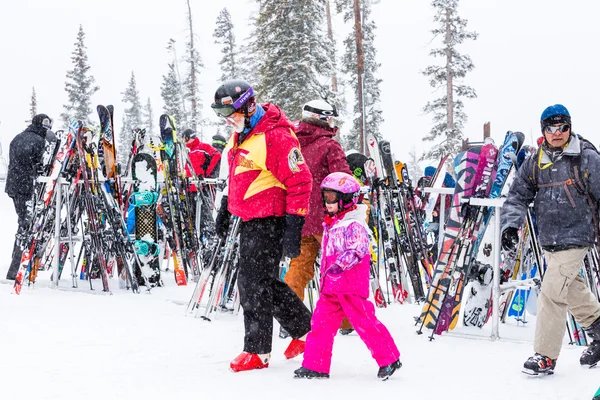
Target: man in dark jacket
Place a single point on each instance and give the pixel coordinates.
(323, 155)
(268, 188)
(553, 179)
(26, 154)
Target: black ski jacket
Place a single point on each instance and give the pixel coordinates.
(25, 159)
(563, 214)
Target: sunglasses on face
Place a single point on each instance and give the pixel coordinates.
(555, 129)
(330, 196)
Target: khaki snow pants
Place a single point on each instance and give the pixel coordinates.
(302, 268)
(562, 289)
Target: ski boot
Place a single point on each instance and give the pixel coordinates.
(384, 373)
(591, 355)
(249, 361)
(539, 364)
(346, 332)
(295, 348)
(305, 373)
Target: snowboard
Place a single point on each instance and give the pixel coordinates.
(144, 198)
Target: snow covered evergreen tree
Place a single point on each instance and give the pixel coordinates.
(80, 85)
(414, 169)
(224, 36)
(295, 54)
(132, 118)
(448, 114)
(190, 83)
(169, 90)
(32, 106)
(148, 114)
(371, 82)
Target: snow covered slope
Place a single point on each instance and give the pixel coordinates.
(65, 345)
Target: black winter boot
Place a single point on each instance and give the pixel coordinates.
(591, 355)
(384, 373)
(539, 364)
(305, 373)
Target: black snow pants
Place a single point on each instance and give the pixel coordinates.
(262, 294)
(20, 203)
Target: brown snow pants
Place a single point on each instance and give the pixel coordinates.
(302, 268)
(562, 289)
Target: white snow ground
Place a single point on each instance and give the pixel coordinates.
(68, 345)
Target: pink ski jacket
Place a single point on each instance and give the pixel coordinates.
(345, 255)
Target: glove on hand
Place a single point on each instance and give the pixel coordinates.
(293, 235)
(510, 239)
(223, 218)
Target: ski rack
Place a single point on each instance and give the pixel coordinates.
(443, 193)
(496, 204)
(58, 203)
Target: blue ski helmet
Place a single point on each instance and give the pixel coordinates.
(555, 114)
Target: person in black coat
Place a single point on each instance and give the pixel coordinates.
(25, 163)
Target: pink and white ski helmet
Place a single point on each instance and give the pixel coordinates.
(345, 185)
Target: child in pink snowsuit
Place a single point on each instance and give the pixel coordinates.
(345, 267)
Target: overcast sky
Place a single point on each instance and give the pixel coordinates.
(530, 54)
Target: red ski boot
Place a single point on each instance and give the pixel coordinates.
(248, 362)
(295, 348)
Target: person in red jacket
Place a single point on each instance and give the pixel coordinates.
(268, 188)
(323, 156)
(204, 159)
(203, 156)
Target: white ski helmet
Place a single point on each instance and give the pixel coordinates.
(321, 110)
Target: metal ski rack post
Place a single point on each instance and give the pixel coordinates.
(497, 205)
(443, 193)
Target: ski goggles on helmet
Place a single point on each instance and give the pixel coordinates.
(555, 129)
(228, 107)
(47, 123)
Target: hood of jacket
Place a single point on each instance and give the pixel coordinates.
(308, 133)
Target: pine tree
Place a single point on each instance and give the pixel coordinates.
(371, 83)
(224, 36)
(295, 62)
(182, 109)
(80, 85)
(190, 84)
(448, 114)
(132, 118)
(148, 114)
(169, 91)
(32, 106)
(249, 59)
(414, 169)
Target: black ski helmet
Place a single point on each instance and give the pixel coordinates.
(188, 134)
(356, 163)
(42, 120)
(219, 142)
(234, 96)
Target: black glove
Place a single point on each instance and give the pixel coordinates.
(510, 239)
(222, 221)
(293, 235)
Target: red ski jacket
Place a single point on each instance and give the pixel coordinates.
(267, 173)
(203, 157)
(323, 155)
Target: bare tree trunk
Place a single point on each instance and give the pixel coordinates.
(192, 69)
(176, 62)
(360, 64)
(334, 85)
(449, 88)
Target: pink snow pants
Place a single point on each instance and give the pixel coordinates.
(329, 313)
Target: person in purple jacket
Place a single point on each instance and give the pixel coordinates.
(345, 261)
